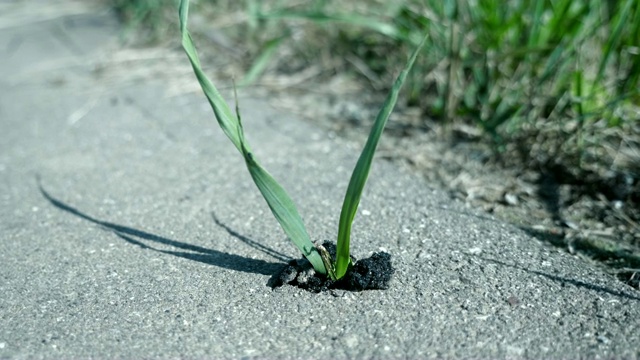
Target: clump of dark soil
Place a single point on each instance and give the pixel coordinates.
(372, 273)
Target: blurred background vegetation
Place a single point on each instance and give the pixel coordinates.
(551, 86)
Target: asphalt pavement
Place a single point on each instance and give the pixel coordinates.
(130, 228)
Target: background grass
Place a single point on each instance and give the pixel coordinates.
(552, 85)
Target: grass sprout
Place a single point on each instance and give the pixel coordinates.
(280, 203)
(361, 171)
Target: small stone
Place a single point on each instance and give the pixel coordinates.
(351, 341)
(475, 251)
(511, 199)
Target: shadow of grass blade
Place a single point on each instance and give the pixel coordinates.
(361, 171)
(276, 197)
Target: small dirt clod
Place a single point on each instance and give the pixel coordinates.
(372, 273)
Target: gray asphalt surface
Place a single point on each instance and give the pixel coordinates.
(146, 237)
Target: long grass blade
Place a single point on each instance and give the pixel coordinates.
(534, 36)
(353, 19)
(361, 171)
(614, 39)
(225, 117)
(262, 61)
(278, 200)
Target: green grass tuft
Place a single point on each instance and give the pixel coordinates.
(276, 197)
(551, 83)
(278, 200)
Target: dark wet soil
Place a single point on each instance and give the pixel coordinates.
(372, 273)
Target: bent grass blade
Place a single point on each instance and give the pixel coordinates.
(361, 171)
(279, 202)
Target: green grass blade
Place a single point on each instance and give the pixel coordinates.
(278, 200)
(225, 117)
(280, 204)
(534, 36)
(614, 39)
(361, 171)
(262, 61)
(353, 19)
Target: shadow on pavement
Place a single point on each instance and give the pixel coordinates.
(256, 245)
(623, 262)
(564, 280)
(191, 252)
